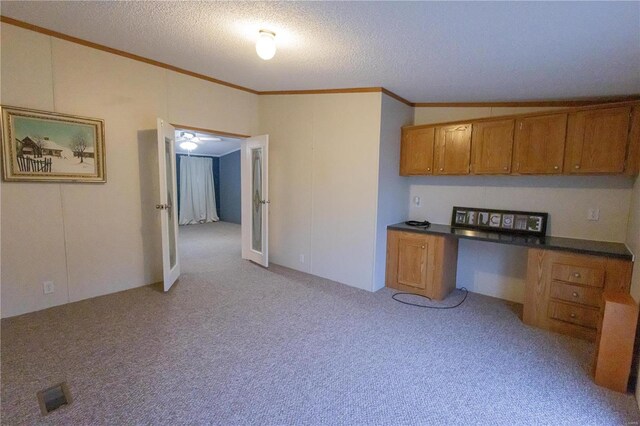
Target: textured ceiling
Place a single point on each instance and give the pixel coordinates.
(423, 51)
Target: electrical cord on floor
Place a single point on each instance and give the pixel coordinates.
(466, 293)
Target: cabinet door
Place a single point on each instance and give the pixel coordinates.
(416, 155)
(415, 262)
(539, 144)
(491, 147)
(452, 150)
(597, 141)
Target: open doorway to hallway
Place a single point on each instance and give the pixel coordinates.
(208, 175)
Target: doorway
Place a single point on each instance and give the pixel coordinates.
(208, 181)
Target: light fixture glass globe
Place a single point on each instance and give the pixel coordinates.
(266, 45)
(189, 146)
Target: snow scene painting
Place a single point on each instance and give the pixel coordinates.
(45, 146)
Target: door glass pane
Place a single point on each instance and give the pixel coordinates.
(256, 191)
(168, 143)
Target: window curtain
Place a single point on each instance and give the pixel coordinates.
(197, 193)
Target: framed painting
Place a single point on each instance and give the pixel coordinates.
(44, 146)
(507, 221)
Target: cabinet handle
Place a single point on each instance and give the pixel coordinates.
(577, 166)
(428, 169)
(572, 315)
(505, 168)
(441, 169)
(555, 167)
(575, 294)
(422, 246)
(577, 274)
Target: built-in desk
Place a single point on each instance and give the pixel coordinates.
(566, 277)
(573, 245)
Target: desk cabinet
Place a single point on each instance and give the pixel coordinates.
(563, 291)
(421, 264)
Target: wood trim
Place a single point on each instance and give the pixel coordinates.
(211, 131)
(540, 103)
(526, 115)
(122, 53)
(397, 97)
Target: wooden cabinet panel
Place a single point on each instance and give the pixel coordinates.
(539, 144)
(614, 345)
(491, 147)
(452, 150)
(597, 141)
(633, 156)
(421, 263)
(414, 267)
(416, 155)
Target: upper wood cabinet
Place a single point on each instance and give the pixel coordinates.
(491, 147)
(416, 152)
(452, 150)
(597, 141)
(539, 144)
(592, 139)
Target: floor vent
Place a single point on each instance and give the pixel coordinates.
(54, 397)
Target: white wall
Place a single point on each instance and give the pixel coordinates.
(323, 176)
(499, 270)
(393, 189)
(93, 239)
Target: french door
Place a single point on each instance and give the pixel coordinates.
(255, 200)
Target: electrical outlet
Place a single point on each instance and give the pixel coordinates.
(302, 258)
(593, 214)
(48, 287)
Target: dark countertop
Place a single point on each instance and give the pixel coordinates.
(597, 248)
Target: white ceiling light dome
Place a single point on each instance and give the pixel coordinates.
(266, 44)
(189, 146)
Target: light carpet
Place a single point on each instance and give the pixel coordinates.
(234, 343)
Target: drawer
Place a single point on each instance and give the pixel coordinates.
(589, 296)
(584, 275)
(586, 317)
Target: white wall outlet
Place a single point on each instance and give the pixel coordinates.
(48, 287)
(302, 258)
(593, 214)
(416, 201)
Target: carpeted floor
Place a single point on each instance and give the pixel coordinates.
(233, 343)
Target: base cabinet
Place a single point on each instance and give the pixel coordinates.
(563, 292)
(421, 264)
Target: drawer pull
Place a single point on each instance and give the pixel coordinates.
(573, 315)
(575, 294)
(422, 246)
(428, 169)
(577, 275)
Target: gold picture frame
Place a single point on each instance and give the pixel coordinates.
(42, 146)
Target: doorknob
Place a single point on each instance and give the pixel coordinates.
(265, 201)
(163, 206)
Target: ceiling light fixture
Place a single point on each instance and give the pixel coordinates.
(266, 44)
(189, 146)
(188, 135)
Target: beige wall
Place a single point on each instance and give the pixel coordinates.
(393, 189)
(93, 239)
(323, 176)
(499, 270)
